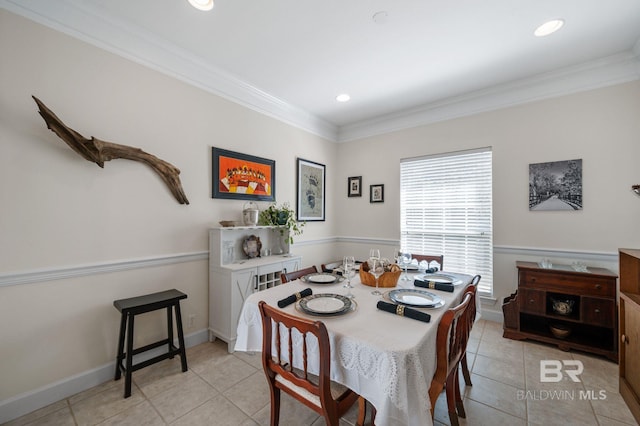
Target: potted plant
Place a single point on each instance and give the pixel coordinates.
(282, 216)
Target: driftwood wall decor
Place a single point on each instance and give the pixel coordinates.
(98, 152)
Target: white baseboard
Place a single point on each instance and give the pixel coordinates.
(493, 316)
(27, 402)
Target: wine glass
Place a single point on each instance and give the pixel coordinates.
(376, 268)
(397, 255)
(406, 261)
(374, 254)
(349, 265)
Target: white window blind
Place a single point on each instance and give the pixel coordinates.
(446, 208)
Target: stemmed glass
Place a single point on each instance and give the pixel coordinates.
(374, 254)
(349, 265)
(376, 268)
(406, 261)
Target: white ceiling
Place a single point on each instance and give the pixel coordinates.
(429, 60)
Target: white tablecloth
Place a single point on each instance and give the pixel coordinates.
(387, 359)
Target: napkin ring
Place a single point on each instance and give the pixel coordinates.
(432, 285)
(400, 310)
(298, 296)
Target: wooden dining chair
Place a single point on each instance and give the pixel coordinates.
(285, 277)
(474, 309)
(329, 399)
(429, 258)
(330, 266)
(451, 345)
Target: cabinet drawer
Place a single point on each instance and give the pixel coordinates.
(599, 312)
(564, 283)
(532, 301)
(270, 269)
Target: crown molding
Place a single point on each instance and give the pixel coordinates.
(608, 71)
(79, 21)
(115, 36)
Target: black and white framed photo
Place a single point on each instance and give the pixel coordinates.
(376, 193)
(555, 185)
(311, 191)
(354, 186)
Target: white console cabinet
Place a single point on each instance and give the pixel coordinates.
(233, 276)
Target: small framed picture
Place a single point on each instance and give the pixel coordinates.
(355, 186)
(376, 193)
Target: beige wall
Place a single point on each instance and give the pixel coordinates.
(58, 210)
(601, 127)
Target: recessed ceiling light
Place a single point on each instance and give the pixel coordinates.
(344, 97)
(202, 4)
(549, 27)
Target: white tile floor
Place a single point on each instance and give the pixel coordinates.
(230, 389)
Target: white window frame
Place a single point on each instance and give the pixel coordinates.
(446, 207)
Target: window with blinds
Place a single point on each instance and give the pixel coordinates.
(446, 208)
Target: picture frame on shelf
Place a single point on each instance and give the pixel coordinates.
(354, 186)
(376, 193)
(310, 203)
(242, 177)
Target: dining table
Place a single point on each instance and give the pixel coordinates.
(386, 358)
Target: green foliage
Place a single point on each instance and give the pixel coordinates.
(282, 216)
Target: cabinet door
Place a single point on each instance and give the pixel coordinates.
(291, 265)
(243, 284)
(596, 311)
(532, 301)
(631, 346)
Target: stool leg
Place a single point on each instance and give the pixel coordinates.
(129, 368)
(120, 356)
(170, 330)
(183, 353)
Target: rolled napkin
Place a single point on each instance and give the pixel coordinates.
(294, 298)
(434, 285)
(404, 311)
(430, 270)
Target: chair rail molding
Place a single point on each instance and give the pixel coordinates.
(54, 274)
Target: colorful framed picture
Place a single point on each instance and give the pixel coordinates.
(311, 191)
(243, 177)
(354, 186)
(376, 193)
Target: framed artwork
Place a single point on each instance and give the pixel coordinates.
(311, 191)
(376, 193)
(243, 177)
(555, 185)
(354, 186)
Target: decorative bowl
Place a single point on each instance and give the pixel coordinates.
(560, 331)
(562, 306)
(227, 223)
(387, 279)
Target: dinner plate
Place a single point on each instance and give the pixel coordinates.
(321, 278)
(440, 278)
(325, 304)
(352, 308)
(416, 298)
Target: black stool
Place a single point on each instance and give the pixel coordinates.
(139, 305)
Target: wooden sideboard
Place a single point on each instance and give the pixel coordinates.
(591, 296)
(630, 329)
